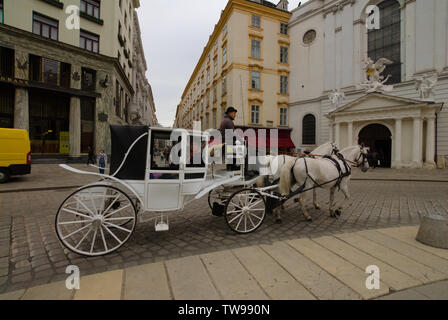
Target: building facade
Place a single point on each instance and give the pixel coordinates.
(66, 83)
(407, 124)
(245, 64)
(143, 111)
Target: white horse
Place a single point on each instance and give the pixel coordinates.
(276, 163)
(310, 173)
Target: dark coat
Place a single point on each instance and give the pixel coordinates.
(227, 123)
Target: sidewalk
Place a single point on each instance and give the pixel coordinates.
(329, 267)
(51, 176)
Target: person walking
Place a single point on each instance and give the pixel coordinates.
(91, 157)
(102, 161)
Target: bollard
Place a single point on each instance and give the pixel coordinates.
(434, 231)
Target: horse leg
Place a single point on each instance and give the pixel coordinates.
(316, 205)
(277, 214)
(344, 189)
(304, 211)
(332, 212)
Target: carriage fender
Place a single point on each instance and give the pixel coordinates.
(120, 182)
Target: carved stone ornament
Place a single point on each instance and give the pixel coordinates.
(375, 80)
(76, 77)
(425, 86)
(336, 98)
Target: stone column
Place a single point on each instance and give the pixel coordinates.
(75, 127)
(331, 131)
(417, 143)
(350, 134)
(398, 135)
(337, 134)
(21, 109)
(430, 142)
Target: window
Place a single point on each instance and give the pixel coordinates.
(215, 121)
(256, 21)
(386, 41)
(214, 94)
(255, 80)
(89, 41)
(207, 123)
(88, 79)
(283, 28)
(91, 7)
(6, 62)
(224, 85)
(283, 84)
(208, 76)
(224, 32)
(45, 27)
(284, 54)
(1, 11)
(50, 71)
(215, 46)
(255, 114)
(256, 49)
(215, 66)
(207, 99)
(283, 116)
(309, 130)
(65, 75)
(224, 55)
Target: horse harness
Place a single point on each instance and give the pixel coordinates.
(341, 176)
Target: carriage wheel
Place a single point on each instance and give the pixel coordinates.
(213, 196)
(245, 211)
(89, 222)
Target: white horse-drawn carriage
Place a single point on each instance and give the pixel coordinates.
(145, 183)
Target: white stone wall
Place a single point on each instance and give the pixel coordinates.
(334, 60)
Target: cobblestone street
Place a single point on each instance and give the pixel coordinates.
(31, 254)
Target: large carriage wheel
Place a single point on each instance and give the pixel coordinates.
(245, 211)
(96, 220)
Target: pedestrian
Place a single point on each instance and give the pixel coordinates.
(102, 161)
(91, 157)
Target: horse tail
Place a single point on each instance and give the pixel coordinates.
(286, 178)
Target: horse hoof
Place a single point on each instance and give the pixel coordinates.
(317, 207)
(278, 221)
(338, 212)
(309, 219)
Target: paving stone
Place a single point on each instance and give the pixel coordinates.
(52, 291)
(147, 282)
(190, 280)
(105, 286)
(22, 264)
(13, 295)
(24, 277)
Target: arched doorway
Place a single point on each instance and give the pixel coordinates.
(379, 139)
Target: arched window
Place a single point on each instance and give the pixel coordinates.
(386, 41)
(309, 130)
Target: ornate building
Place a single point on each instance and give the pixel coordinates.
(386, 87)
(143, 111)
(63, 82)
(245, 64)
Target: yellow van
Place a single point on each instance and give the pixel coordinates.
(15, 153)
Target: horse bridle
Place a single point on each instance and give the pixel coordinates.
(358, 164)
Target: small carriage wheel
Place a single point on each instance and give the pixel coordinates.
(88, 224)
(213, 197)
(245, 211)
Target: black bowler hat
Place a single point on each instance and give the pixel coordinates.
(231, 109)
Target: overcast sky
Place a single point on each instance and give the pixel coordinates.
(174, 33)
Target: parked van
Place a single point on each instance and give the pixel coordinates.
(15, 153)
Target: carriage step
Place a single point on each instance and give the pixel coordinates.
(161, 223)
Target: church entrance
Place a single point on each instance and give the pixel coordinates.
(379, 139)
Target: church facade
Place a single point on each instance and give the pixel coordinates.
(383, 85)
